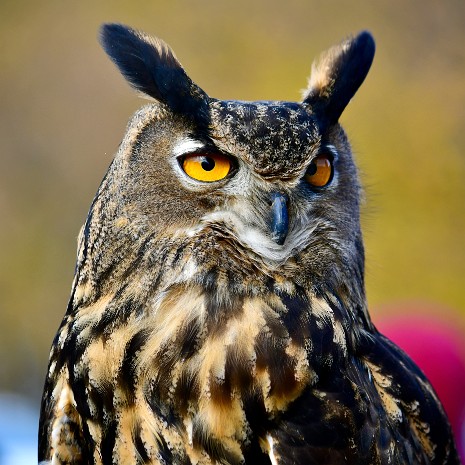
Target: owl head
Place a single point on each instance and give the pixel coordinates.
(259, 187)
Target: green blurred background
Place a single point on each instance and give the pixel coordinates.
(64, 108)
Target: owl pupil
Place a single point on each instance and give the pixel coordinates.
(311, 169)
(208, 163)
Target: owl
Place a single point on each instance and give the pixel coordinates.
(218, 311)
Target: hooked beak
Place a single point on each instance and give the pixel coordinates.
(279, 217)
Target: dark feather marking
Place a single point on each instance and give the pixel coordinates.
(101, 326)
(139, 257)
(165, 453)
(202, 439)
(79, 385)
(76, 348)
(126, 373)
(271, 354)
(187, 339)
(80, 434)
(109, 273)
(165, 360)
(118, 311)
(219, 312)
(310, 433)
(108, 441)
(324, 350)
(142, 455)
(259, 423)
(235, 281)
(254, 454)
(220, 392)
(178, 256)
(60, 357)
(296, 317)
(282, 378)
(238, 373)
(186, 389)
(278, 330)
(210, 280)
(99, 397)
(45, 425)
(162, 408)
(159, 261)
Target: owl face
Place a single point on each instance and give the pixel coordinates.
(273, 181)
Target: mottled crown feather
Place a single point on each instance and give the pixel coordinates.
(338, 74)
(151, 67)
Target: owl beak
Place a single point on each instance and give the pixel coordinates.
(279, 217)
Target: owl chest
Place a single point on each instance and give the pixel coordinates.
(199, 371)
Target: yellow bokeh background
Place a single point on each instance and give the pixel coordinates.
(64, 108)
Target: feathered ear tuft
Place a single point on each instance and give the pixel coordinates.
(338, 74)
(150, 66)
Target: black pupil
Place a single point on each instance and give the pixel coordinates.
(208, 163)
(312, 169)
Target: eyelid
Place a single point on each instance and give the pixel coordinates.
(329, 150)
(187, 146)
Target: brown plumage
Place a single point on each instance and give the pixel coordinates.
(218, 311)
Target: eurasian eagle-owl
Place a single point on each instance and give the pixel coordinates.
(218, 311)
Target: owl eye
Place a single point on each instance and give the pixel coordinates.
(206, 168)
(320, 171)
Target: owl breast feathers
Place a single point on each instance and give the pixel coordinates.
(218, 311)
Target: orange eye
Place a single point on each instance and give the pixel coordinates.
(320, 171)
(206, 168)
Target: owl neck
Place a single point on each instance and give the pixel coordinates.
(138, 283)
(145, 265)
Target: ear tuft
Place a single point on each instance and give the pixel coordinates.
(150, 66)
(338, 74)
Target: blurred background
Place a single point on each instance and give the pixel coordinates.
(63, 111)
